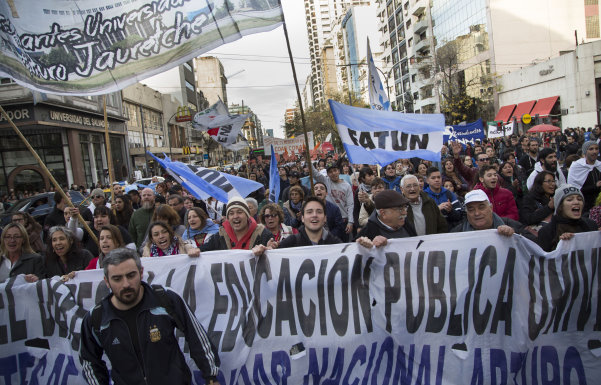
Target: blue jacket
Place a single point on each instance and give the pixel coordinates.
(334, 220)
(456, 215)
(162, 359)
(394, 184)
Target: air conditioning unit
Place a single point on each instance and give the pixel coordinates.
(564, 111)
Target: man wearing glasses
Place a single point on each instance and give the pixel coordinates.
(469, 174)
(423, 212)
(387, 221)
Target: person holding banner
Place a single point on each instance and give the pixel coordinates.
(17, 256)
(239, 231)
(199, 228)
(272, 216)
(313, 231)
(387, 221)
(140, 341)
(423, 213)
(63, 254)
(567, 220)
(162, 241)
(109, 239)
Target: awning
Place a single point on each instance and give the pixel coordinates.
(523, 108)
(504, 113)
(544, 106)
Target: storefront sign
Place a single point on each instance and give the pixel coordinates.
(17, 115)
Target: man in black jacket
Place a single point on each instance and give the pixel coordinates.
(139, 341)
(387, 221)
(313, 232)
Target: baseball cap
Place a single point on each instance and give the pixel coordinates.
(476, 196)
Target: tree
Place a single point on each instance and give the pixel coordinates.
(466, 91)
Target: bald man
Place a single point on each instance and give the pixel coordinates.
(141, 217)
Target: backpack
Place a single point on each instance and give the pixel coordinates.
(163, 299)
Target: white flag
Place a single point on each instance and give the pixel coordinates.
(226, 134)
(377, 96)
(213, 116)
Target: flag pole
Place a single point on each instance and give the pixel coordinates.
(59, 189)
(108, 150)
(300, 102)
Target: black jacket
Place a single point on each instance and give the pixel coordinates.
(29, 264)
(302, 239)
(163, 361)
(78, 260)
(374, 227)
(535, 208)
(547, 233)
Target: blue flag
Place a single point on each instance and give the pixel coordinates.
(465, 134)
(381, 137)
(203, 183)
(378, 99)
(274, 179)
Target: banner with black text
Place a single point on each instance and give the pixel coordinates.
(461, 308)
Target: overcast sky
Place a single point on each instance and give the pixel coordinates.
(266, 85)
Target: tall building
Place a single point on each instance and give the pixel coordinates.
(210, 79)
(320, 16)
(348, 64)
(407, 46)
(494, 37)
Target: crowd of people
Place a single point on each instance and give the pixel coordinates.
(516, 185)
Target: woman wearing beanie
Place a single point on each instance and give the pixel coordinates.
(568, 220)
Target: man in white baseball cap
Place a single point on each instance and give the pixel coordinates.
(481, 217)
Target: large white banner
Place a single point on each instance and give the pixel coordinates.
(500, 132)
(469, 308)
(89, 47)
(291, 146)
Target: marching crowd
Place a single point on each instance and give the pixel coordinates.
(517, 185)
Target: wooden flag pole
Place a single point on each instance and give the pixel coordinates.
(300, 102)
(109, 157)
(59, 189)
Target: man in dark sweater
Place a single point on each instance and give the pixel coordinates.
(387, 221)
(313, 231)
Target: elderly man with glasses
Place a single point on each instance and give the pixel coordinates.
(423, 213)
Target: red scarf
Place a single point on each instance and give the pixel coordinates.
(242, 243)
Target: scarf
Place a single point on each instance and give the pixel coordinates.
(567, 225)
(365, 187)
(296, 206)
(242, 243)
(200, 235)
(173, 249)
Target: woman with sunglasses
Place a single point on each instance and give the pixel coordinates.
(272, 216)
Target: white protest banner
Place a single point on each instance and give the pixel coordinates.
(441, 309)
(213, 116)
(89, 47)
(381, 137)
(496, 132)
(291, 146)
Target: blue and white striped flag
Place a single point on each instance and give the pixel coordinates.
(205, 182)
(378, 100)
(274, 179)
(381, 137)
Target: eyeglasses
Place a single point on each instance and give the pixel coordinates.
(411, 186)
(98, 196)
(18, 220)
(269, 215)
(13, 237)
(552, 181)
(483, 160)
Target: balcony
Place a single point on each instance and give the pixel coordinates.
(423, 45)
(420, 26)
(419, 8)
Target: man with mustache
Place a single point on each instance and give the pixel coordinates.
(137, 337)
(547, 161)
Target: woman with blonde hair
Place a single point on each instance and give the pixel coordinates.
(17, 256)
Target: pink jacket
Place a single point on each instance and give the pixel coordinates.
(503, 202)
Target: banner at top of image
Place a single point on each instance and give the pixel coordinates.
(93, 47)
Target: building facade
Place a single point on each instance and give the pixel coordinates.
(67, 132)
(564, 91)
(210, 79)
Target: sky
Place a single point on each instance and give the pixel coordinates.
(266, 85)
